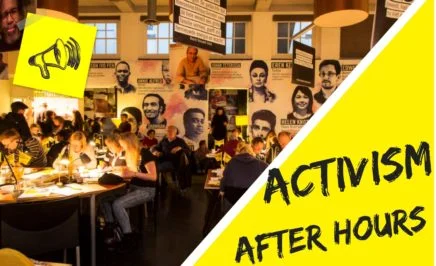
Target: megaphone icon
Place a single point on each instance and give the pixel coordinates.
(59, 55)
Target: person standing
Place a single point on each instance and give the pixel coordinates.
(219, 124)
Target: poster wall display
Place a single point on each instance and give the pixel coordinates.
(3, 66)
(201, 24)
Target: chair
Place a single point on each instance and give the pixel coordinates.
(41, 227)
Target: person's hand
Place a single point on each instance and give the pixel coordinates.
(127, 174)
(175, 149)
(221, 194)
(157, 153)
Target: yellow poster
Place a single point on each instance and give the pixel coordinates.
(355, 186)
(55, 55)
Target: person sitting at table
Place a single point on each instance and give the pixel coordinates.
(60, 123)
(13, 143)
(77, 150)
(257, 145)
(201, 160)
(115, 156)
(173, 152)
(230, 146)
(142, 173)
(149, 141)
(242, 170)
(61, 141)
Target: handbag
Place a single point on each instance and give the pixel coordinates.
(110, 179)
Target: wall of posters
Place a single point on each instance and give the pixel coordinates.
(99, 102)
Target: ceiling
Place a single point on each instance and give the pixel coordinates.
(120, 6)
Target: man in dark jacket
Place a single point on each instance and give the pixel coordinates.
(173, 154)
(15, 119)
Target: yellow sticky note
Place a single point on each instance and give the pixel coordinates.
(55, 55)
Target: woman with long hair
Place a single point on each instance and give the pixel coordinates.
(258, 92)
(76, 151)
(302, 102)
(141, 171)
(77, 121)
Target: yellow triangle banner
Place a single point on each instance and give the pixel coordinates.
(355, 186)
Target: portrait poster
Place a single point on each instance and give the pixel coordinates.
(101, 74)
(12, 34)
(327, 83)
(269, 87)
(100, 102)
(229, 73)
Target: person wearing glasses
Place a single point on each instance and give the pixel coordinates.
(12, 142)
(262, 122)
(122, 73)
(330, 74)
(11, 13)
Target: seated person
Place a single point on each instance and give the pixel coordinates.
(149, 141)
(60, 123)
(35, 130)
(172, 152)
(115, 156)
(242, 170)
(61, 141)
(77, 147)
(12, 141)
(141, 171)
(124, 125)
(201, 161)
(230, 146)
(257, 147)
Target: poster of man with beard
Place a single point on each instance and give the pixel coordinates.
(330, 75)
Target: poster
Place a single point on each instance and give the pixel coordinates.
(303, 70)
(99, 102)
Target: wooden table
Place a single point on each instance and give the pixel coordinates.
(92, 192)
(208, 184)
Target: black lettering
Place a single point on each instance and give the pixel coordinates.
(375, 170)
(368, 231)
(400, 218)
(244, 247)
(423, 153)
(279, 235)
(386, 160)
(293, 240)
(346, 232)
(355, 177)
(314, 233)
(294, 182)
(324, 172)
(387, 228)
(260, 246)
(414, 215)
(341, 182)
(275, 174)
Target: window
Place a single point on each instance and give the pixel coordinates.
(285, 31)
(235, 37)
(106, 41)
(159, 38)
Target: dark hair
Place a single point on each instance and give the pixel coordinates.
(135, 112)
(260, 64)
(192, 111)
(16, 106)
(333, 62)
(256, 140)
(64, 133)
(122, 62)
(150, 131)
(124, 115)
(161, 101)
(202, 142)
(265, 115)
(48, 114)
(306, 91)
(220, 108)
(60, 119)
(78, 120)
